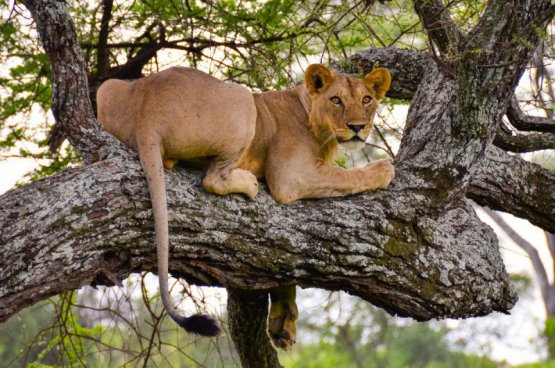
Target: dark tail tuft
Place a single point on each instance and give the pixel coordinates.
(200, 324)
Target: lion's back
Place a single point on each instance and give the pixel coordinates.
(177, 102)
(114, 111)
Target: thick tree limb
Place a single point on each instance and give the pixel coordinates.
(510, 184)
(504, 40)
(93, 223)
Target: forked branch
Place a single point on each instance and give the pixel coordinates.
(441, 29)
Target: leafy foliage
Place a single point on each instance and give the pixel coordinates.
(352, 334)
(114, 327)
(127, 327)
(262, 44)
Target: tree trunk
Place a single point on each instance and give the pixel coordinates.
(248, 311)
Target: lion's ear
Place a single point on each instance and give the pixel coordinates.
(378, 80)
(317, 77)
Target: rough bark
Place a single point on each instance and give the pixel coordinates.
(407, 68)
(416, 249)
(501, 182)
(509, 184)
(95, 225)
(248, 311)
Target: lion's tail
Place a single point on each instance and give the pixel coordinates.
(151, 161)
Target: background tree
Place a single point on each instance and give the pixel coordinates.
(419, 250)
(546, 286)
(355, 335)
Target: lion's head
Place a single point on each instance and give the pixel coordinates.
(343, 106)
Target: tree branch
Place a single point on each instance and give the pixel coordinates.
(133, 68)
(506, 37)
(509, 184)
(71, 106)
(524, 122)
(441, 29)
(95, 221)
(524, 142)
(198, 43)
(102, 63)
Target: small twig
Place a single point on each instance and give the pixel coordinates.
(382, 138)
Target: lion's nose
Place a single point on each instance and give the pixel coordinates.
(355, 127)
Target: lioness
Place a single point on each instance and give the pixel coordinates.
(287, 137)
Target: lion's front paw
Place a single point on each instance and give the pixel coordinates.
(382, 172)
(237, 181)
(281, 324)
(245, 182)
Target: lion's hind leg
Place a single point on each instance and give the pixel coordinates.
(223, 178)
(282, 318)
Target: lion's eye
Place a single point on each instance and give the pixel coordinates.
(366, 99)
(335, 100)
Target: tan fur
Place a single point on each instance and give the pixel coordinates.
(287, 137)
(282, 317)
